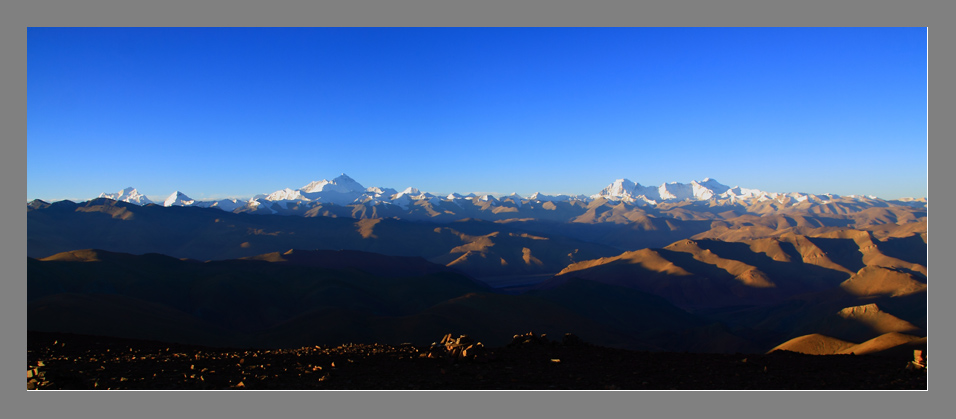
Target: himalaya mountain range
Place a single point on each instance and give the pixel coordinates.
(322, 197)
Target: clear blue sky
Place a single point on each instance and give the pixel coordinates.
(235, 112)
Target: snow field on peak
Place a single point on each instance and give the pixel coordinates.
(178, 199)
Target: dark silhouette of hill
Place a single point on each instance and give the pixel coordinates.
(212, 234)
(124, 316)
(241, 296)
(373, 263)
(309, 298)
(649, 318)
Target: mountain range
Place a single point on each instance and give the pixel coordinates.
(345, 191)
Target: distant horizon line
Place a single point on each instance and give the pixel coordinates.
(161, 198)
(496, 194)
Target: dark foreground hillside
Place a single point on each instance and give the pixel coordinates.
(74, 362)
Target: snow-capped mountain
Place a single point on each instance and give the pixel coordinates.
(706, 190)
(178, 199)
(286, 195)
(412, 193)
(342, 190)
(345, 191)
(129, 194)
(341, 184)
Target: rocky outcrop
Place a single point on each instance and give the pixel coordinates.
(461, 348)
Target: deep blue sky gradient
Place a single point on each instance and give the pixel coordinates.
(234, 112)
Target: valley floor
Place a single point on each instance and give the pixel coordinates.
(78, 362)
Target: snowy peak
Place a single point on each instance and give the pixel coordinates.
(341, 184)
(314, 186)
(676, 191)
(375, 190)
(707, 189)
(129, 194)
(409, 192)
(285, 194)
(712, 184)
(627, 191)
(348, 184)
(620, 188)
(178, 199)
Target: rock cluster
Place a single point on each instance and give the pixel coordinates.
(462, 347)
(918, 362)
(36, 379)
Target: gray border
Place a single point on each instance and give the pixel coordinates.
(441, 13)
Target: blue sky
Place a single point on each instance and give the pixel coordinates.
(235, 112)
